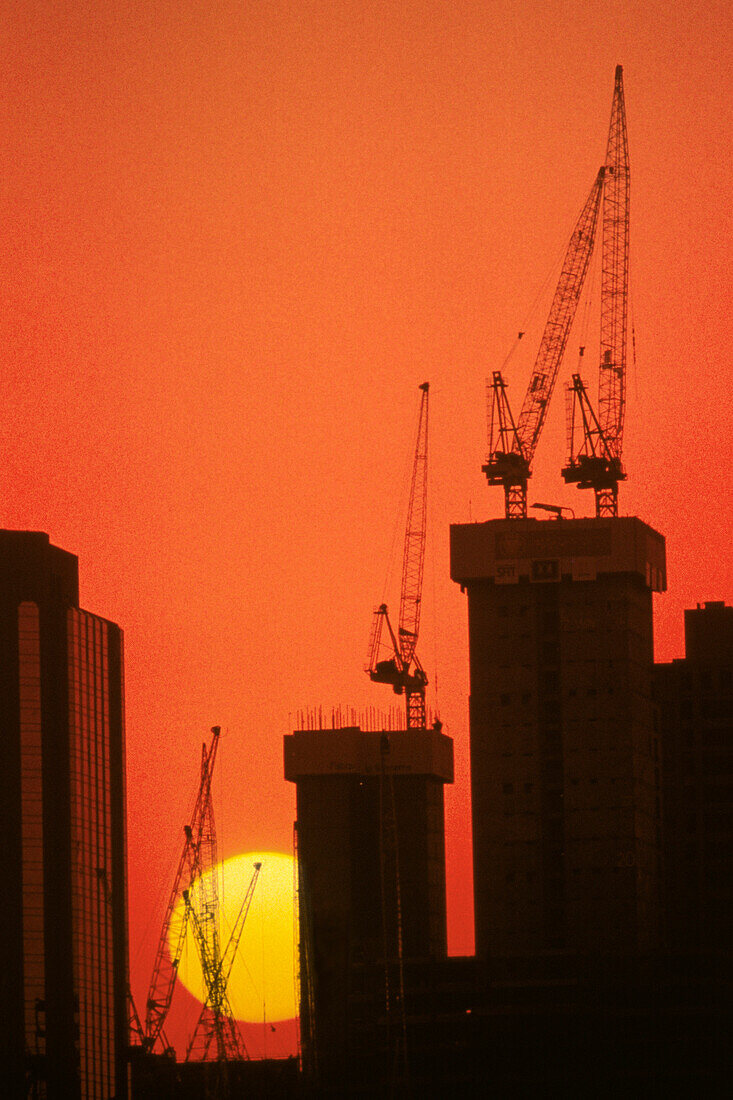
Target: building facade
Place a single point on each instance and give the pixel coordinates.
(62, 801)
(695, 701)
(565, 774)
(371, 858)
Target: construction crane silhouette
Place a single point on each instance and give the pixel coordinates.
(402, 670)
(198, 856)
(595, 441)
(216, 1023)
(196, 883)
(512, 444)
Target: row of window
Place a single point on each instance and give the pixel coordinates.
(92, 848)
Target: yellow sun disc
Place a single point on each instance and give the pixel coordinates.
(262, 981)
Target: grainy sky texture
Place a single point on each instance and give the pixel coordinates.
(235, 237)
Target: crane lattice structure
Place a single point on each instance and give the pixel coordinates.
(596, 461)
(196, 847)
(595, 442)
(513, 444)
(403, 669)
(216, 1023)
(196, 882)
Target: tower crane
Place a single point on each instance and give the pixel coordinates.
(403, 669)
(595, 441)
(512, 444)
(198, 855)
(216, 1021)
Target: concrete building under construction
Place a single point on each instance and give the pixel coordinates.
(564, 753)
(371, 857)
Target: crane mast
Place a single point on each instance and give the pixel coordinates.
(615, 275)
(595, 442)
(512, 444)
(403, 669)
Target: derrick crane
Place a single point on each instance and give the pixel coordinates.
(403, 670)
(198, 855)
(595, 461)
(512, 444)
(216, 1021)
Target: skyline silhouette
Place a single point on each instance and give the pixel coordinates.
(235, 242)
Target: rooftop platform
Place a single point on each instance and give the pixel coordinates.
(353, 751)
(542, 551)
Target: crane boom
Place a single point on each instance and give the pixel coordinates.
(403, 669)
(512, 447)
(559, 322)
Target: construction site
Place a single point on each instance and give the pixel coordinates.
(575, 984)
(601, 795)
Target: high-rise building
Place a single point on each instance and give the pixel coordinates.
(695, 700)
(63, 927)
(371, 855)
(564, 755)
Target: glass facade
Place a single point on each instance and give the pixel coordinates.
(63, 919)
(92, 881)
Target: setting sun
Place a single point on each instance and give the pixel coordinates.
(262, 982)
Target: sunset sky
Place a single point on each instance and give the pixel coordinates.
(236, 235)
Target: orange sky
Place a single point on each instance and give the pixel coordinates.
(235, 238)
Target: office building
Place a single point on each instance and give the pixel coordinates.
(564, 755)
(371, 856)
(63, 940)
(695, 701)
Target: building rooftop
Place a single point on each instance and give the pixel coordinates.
(353, 751)
(509, 551)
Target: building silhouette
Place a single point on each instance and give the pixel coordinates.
(695, 700)
(601, 810)
(565, 778)
(63, 941)
(372, 900)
